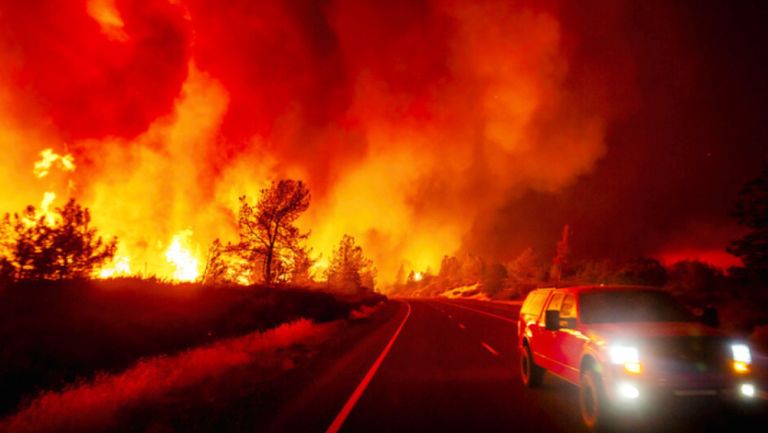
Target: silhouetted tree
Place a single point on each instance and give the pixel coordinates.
(449, 275)
(643, 271)
(525, 272)
(300, 266)
(350, 271)
(267, 230)
(494, 278)
(601, 272)
(215, 266)
(526, 267)
(694, 276)
(472, 269)
(77, 248)
(6, 248)
(61, 246)
(751, 211)
(25, 236)
(562, 255)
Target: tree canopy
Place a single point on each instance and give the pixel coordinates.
(350, 271)
(751, 211)
(63, 245)
(267, 231)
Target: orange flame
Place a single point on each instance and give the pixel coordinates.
(49, 158)
(120, 267)
(179, 255)
(403, 157)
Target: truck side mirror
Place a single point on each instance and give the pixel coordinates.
(552, 320)
(710, 317)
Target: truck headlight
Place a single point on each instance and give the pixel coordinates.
(628, 356)
(747, 390)
(742, 358)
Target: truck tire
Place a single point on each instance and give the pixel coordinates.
(531, 374)
(593, 403)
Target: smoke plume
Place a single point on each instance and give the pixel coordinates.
(407, 119)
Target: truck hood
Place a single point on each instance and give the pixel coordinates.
(648, 330)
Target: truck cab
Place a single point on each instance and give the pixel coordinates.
(626, 347)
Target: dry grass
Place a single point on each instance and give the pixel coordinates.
(53, 334)
(92, 406)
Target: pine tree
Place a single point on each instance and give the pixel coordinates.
(350, 271)
(267, 230)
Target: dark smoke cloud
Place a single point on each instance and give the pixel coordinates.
(690, 133)
(90, 86)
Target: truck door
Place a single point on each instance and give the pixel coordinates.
(545, 344)
(570, 340)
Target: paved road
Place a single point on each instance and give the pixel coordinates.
(440, 366)
(453, 368)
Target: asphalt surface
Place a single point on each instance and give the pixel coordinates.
(453, 368)
(427, 365)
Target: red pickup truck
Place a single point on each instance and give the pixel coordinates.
(626, 347)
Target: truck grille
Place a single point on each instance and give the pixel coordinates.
(690, 355)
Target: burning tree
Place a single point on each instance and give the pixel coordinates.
(300, 267)
(7, 246)
(350, 271)
(215, 266)
(61, 245)
(230, 263)
(267, 233)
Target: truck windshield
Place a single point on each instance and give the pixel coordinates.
(632, 306)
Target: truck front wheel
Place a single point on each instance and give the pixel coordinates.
(592, 402)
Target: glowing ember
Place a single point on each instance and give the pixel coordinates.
(418, 276)
(48, 158)
(179, 255)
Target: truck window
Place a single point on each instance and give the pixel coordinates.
(568, 312)
(632, 306)
(534, 302)
(568, 308)
(556, 302)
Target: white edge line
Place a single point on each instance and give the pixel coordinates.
(489, 348)
(506, 319)
(358, 392)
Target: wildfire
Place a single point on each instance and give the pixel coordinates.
(321, 265)
(179, 255)
(49, 158)
(46, 207)
(418, 276)
(120, 267)
(171, 117)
